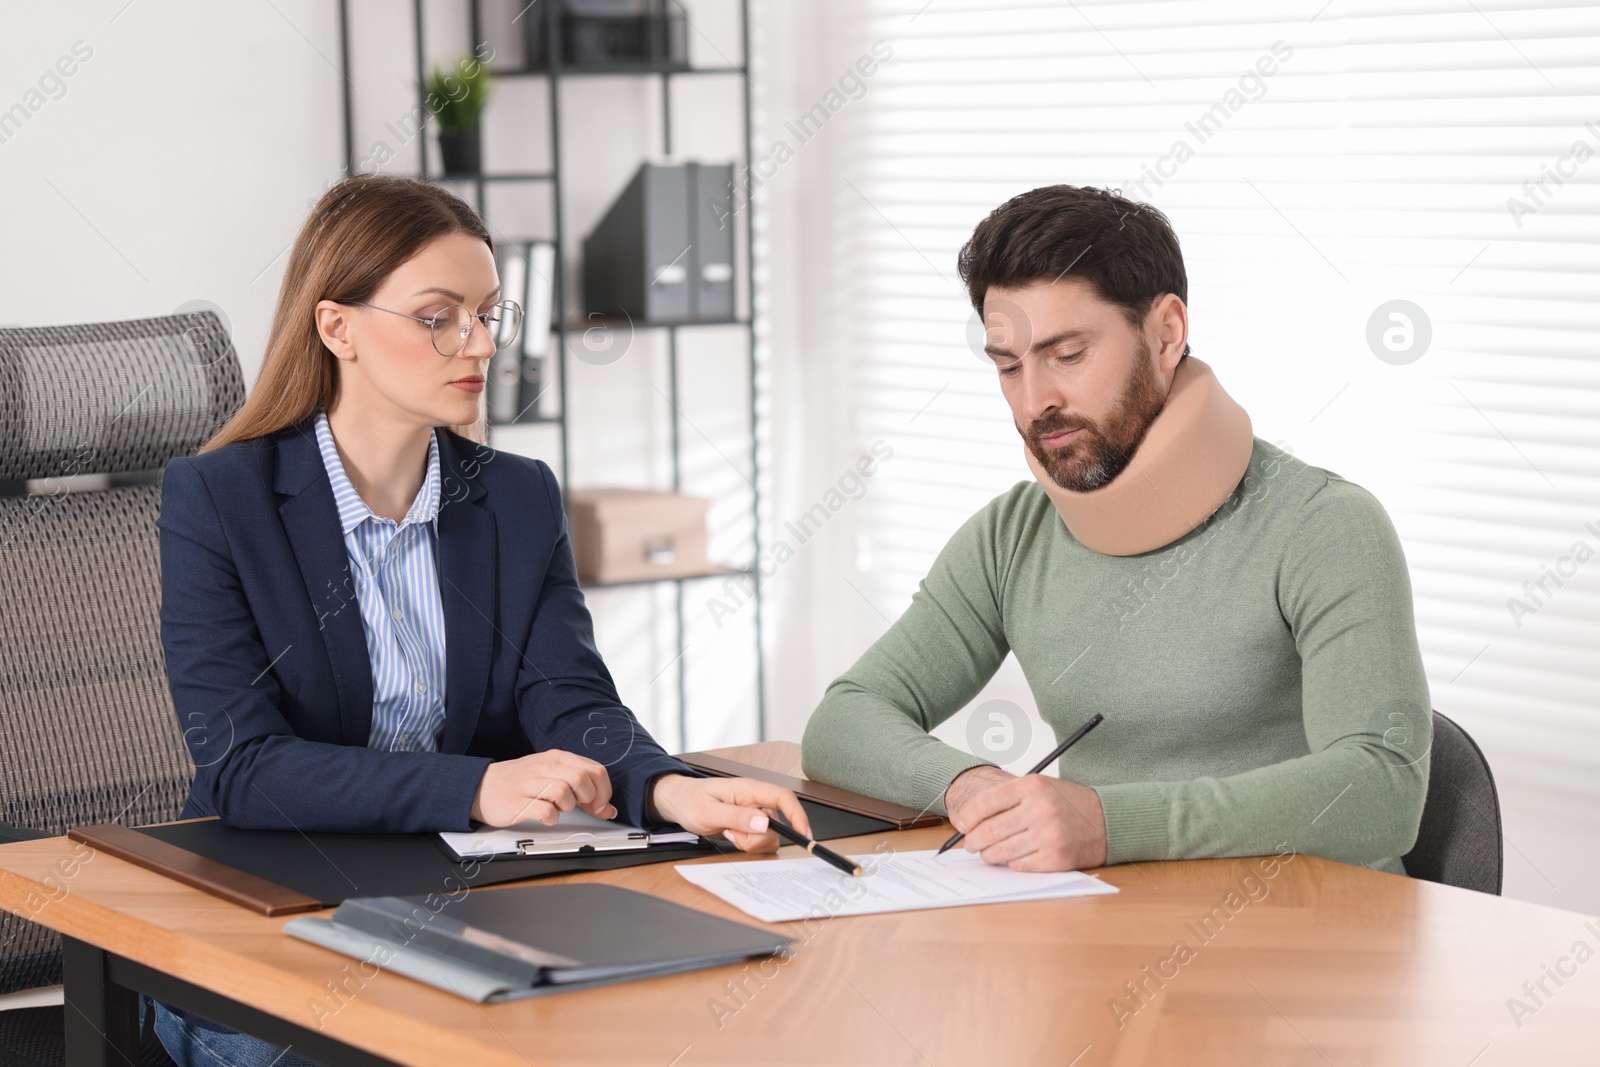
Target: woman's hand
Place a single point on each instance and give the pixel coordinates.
(734, 807)
(540, 787)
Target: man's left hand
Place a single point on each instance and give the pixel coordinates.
(1035, 823)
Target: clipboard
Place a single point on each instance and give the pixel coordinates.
(577, 833)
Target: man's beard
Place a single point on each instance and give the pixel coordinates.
(1104, 449)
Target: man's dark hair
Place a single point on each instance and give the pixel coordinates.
(1124, 249)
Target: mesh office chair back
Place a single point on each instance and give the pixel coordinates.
(87, 729)
(1460, 841)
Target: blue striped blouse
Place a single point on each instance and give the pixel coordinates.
(396, 577)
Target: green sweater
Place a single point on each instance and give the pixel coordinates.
(1260, 677)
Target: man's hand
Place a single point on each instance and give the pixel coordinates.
(1033, 823)
(734, 807)
(540, 787)
(969, 783)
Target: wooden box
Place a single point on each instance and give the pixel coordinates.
(629, 535)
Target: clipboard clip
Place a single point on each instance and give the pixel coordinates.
(583, 842)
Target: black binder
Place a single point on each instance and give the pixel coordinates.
(664, 250)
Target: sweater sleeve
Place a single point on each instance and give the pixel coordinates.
(871, 731)
(1344, 591)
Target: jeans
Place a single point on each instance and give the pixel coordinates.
(195, 1046)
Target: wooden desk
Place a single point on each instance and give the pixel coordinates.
(1302, 962)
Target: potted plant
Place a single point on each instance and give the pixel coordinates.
(456, 98)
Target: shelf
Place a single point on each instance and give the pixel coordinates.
(640, 324)
(537, 420)
(530, 176)
(555, 181)
(719, 572)
(611, 70)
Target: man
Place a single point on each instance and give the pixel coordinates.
(1242, 619)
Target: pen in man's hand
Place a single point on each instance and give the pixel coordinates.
(1041, 765)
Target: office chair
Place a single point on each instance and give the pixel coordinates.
(1460, 841)
(89, 728)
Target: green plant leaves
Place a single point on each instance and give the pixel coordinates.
(456, 95)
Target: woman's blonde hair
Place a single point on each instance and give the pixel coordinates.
(359, 232)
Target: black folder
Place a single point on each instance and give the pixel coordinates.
(521, 942)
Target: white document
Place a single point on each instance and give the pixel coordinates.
(784, 890)
(575, 831)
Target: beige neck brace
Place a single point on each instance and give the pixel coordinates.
(1191, 459)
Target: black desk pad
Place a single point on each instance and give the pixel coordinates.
(334, 867)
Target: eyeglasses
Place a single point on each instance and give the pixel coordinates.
(452, 327)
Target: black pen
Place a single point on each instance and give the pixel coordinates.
(1055, 754)
(794, 836)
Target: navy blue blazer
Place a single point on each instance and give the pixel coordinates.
(268, 662)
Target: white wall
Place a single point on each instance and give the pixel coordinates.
(175, 166)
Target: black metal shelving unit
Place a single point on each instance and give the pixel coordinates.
(554, 73)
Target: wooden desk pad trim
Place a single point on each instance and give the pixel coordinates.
(902, 817)
(235, 886)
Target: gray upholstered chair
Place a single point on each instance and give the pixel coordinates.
(1460, 841)
(88, 417)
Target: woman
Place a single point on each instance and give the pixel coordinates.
(372, 621)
